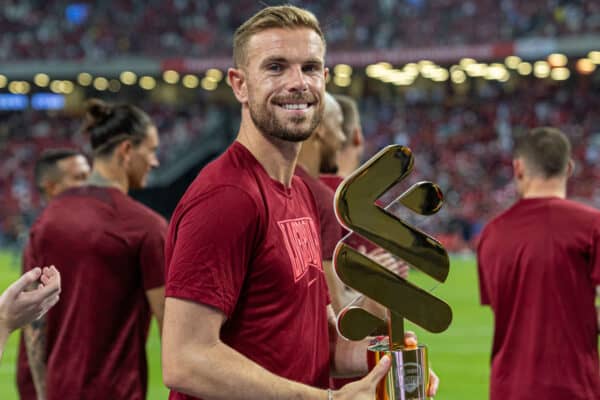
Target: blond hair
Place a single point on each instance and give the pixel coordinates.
(285, 17)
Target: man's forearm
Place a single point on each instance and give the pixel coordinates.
(35, 343)
(349, 358)
(221, 373)
(4, 334)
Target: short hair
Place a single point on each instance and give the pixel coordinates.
(286, 17)
(350, 115)
(46, 166)
(108, 125)
(546, 150)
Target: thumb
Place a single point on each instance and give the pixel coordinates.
(25, 280)
(379, 371)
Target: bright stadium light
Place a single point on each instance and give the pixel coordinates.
(428, 70)
(101, 83)
(458, 76)
(3, 81)
(208, 84)
(496, 71)
(147, 82)
(342, 70)
(465, 62)
(476, 70)
(541, 69)
(67, 87)
(41, 80)
(594, 56)
(19, 87)
(128, 78)
(215, 74)
(411, 69)
(440, 75)
(190, 81)
(524, 68)
(342, 80)
(512, 62)
(56, 86)
(557, 60)
(84, 79)
(585, 66)
(560, 74)
(171, 76)
(114, 85)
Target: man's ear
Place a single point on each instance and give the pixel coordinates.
(570, 168)
(238, 82)
(357, 137)
(123, 150)
(518, 168)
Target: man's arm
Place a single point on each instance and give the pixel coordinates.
(35, 344)
(19, 306)
(197, 363)
(156, 299)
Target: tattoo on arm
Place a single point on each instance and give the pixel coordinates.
(35, 342)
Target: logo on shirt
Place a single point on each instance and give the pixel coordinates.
(302, 245)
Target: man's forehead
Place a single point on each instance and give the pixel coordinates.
(292, 44)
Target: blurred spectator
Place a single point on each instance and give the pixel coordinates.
(59, 29)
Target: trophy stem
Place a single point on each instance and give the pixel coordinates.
(395, 330)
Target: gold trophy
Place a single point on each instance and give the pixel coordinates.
(356, 209)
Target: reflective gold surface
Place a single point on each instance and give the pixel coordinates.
(357, 210)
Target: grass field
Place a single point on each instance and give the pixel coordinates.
(460, 356)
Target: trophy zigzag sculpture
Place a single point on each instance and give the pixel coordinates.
(356, 209)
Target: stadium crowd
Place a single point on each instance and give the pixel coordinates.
(461, 140)
(60, 29)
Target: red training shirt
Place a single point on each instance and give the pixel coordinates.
(331, 230)
(247, 245)
(539, 263)
(109, 251)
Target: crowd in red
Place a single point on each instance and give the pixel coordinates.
(462, 140)
(66, 30)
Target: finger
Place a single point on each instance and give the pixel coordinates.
(21, 284)
(434, 382)
(410, 340)
(376, 252)
(42, 293)
(379, 371)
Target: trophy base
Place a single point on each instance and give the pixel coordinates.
(408, 376)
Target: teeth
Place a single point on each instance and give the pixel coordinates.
(295, 106)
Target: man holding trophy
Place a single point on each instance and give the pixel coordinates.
(247, 312)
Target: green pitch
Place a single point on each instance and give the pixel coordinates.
(460, 356)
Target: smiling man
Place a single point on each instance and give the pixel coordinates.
(247, 313)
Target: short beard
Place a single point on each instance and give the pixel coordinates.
(269, 125)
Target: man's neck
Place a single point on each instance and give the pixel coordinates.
(542, 188)
(278, 157)
(307, 158)
(106, 175)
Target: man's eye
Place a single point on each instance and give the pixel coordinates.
(310, 68)
(274, 67)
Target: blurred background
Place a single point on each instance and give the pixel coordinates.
(456, 81)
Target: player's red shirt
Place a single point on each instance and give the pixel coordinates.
(539, 263)
(331, 230)
(247, 245)
(109, 251)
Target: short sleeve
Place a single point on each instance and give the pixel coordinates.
(483, 290)
(212, 242)
(152, 255)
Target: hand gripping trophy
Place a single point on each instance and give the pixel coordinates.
(356, 209)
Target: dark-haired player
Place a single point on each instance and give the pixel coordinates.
(59, 169)
(55, 171)
(109, 249)
(539, 265)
